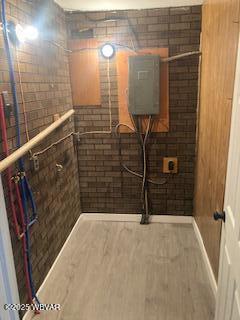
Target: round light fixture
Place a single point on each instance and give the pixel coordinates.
(31, 33)
(107, 50)
(19, 34)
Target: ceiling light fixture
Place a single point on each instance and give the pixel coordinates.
(19, 34)
(107, 50)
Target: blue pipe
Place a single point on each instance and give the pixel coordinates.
(25, 187)
(27, 236)
(32, 201)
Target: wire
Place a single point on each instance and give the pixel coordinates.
(142, 143)
(144, 153)
(52, 145)
(79, 134)
(104, 20)
(117, 45)
(144, 193)
(58, 45)
(109, 95)
(145, 216)
(163, 181)
(110, 19)
(180, 56)
(23, 100)
(143, 139)
(123, 125)
(141, 176)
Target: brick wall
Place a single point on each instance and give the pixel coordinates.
(104, 186)
(47, 91)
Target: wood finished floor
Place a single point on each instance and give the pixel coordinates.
(124, 271)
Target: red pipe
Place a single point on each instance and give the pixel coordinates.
(15, 180)
(11, 180)
(24, 248)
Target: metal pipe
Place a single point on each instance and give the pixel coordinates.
(4, 164)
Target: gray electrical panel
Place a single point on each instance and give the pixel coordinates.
(144, 85)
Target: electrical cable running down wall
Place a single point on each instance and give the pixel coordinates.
(143, 140)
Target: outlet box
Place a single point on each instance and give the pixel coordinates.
(170, 165)
(35, 161)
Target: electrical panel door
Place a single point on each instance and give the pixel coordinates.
(144, 85)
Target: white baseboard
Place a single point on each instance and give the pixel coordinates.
(206, 259)
(136, 218)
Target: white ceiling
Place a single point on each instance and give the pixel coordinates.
(98, 5)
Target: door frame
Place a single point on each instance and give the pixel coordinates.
(8, 281)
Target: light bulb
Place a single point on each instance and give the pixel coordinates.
(31, 33)
(19, 34)
(108, 50)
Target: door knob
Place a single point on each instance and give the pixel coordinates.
(219, 216)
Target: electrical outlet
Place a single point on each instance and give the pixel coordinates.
(170, 165)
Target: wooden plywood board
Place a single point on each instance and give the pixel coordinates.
(162, 121)
(84, 72)
(220, 33)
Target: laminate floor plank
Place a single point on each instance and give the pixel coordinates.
(125, 271)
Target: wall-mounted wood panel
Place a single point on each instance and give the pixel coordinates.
(220, 33)
(84, 72)
(161, 123)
